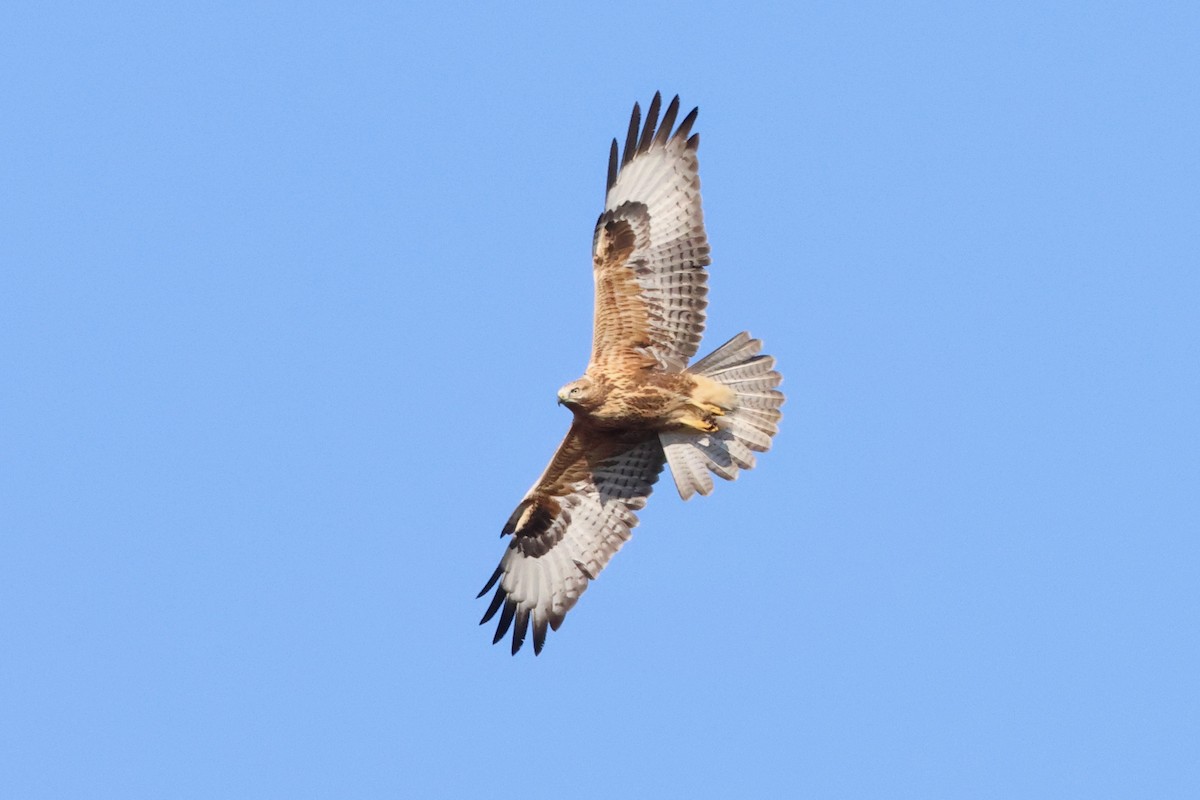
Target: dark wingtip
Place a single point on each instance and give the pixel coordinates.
(631, 136)
(506, 618)
(491, 581)
(648, 130)
(519, 630)
(612, 164)
(685, 127)
(640, 138)
(668, 122)
(494, 606)
(539, 633)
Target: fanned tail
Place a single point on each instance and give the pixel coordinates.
(743, 430)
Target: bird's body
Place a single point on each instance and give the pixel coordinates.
(650, 401)
(638, 405)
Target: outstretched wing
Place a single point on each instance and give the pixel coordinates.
(649, 249)
(569, 525)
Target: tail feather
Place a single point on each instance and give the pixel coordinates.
(746, 428)
(738, 349)
(763, 402)
(747, 376)
(688, 465)
(752, 434)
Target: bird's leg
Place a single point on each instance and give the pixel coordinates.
(712, 399)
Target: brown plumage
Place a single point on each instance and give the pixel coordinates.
(638, 405)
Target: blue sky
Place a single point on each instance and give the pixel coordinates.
(286, 291)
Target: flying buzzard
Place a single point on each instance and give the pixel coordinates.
(638, 404)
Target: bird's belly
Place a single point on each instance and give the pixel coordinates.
(640, 409)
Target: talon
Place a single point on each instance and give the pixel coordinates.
(702, 425)
(715, 410)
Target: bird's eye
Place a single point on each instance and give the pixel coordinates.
(575, 392)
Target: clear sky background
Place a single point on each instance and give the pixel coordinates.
(286, 291)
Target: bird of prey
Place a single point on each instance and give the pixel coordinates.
(638, 405)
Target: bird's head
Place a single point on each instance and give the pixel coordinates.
(577, 394)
